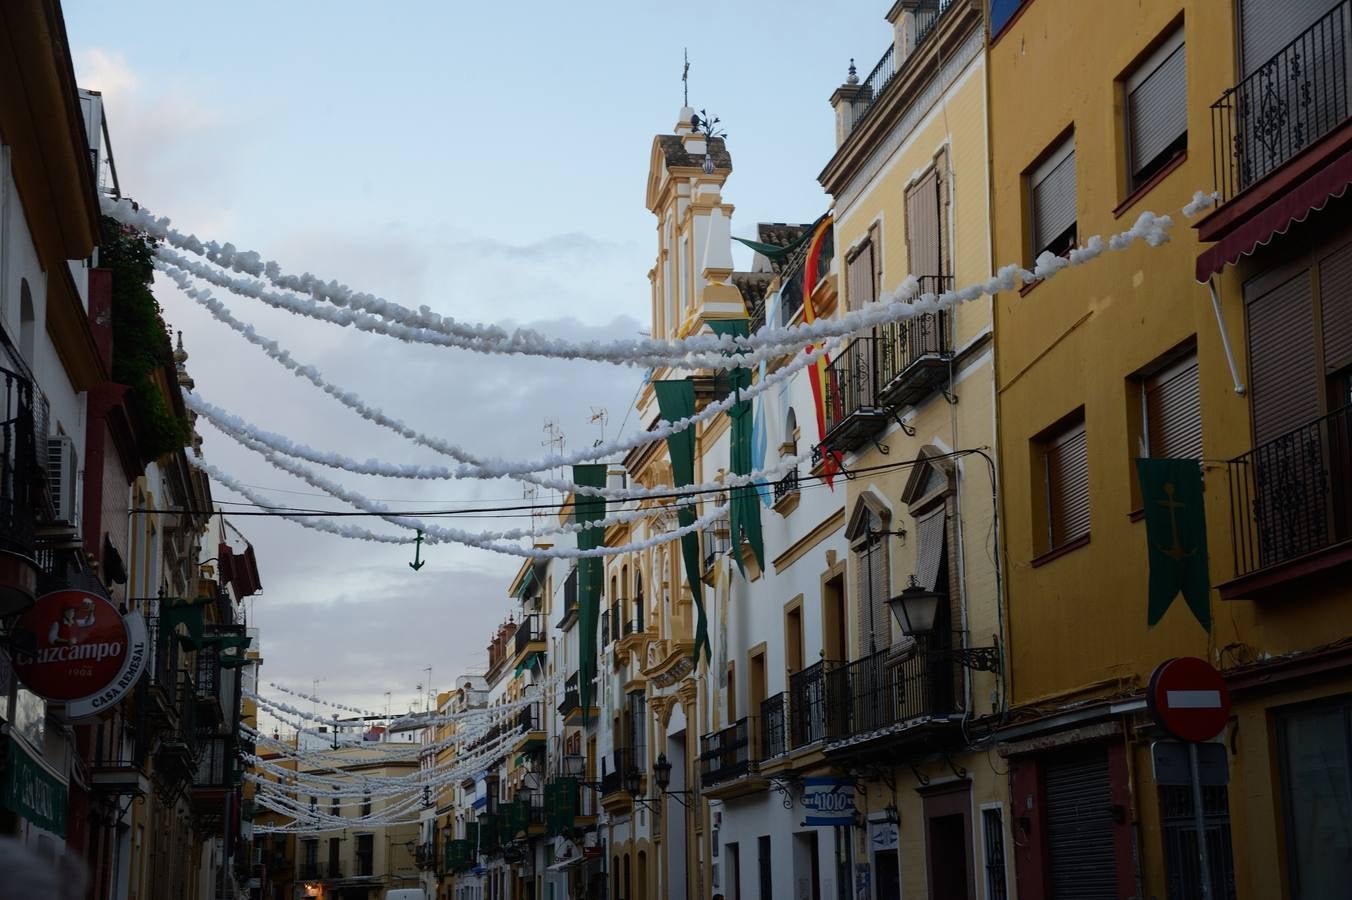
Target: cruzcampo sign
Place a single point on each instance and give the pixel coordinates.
(74, 647)
(32, 792)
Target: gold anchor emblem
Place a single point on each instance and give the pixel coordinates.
(1176, 552)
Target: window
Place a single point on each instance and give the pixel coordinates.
(924, 228)
(1179, 825)
(867, 533)
(861, 271)
(1315, 756)
(1065, 473)
(993, 837)
(1157, 110)
(1051, 185)
(767, 891)
(638, 729)
(1171, 411)
(365, 854)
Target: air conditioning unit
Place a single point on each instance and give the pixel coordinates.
(61, 468)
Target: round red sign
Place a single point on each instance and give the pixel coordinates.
(1188, 698)
(70, 645)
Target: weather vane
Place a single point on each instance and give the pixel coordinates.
(685, 77)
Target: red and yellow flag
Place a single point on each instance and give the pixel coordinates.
(831, 460)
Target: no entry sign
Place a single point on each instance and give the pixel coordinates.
(1188, 698)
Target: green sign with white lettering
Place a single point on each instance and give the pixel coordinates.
(32, 792)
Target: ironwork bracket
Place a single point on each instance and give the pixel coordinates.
(908, 429)
(978, 659)
(783, 787)
(951, 397)
(921, 778)
(953, 767)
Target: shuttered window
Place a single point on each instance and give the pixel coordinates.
(1335, 309)
(1066, 461)
(1266, 26)
(874, 580)
(1052, 186)
(1173, 411)
(860, 277)
(1283, 373)
(923, 231)
(1157, 110)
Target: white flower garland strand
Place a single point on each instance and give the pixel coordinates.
(438, 534)
(311, 698)
(473, 466)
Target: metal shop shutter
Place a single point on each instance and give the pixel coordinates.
(1082, 860)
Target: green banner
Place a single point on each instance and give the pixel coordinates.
(1175, 529)
(676, 401)
(32, 792)
(186, 611)
(744, 516)
(590, 577)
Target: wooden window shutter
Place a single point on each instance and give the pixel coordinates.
(1053, 194)
(1335, 308)
(1173, 411)
(1283, 375)
(860, 276)
(923, 238)
(874, 582)
(1067, 474)
(1157, 104)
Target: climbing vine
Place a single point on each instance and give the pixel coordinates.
(141, 344)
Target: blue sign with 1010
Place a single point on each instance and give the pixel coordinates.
(829, 801)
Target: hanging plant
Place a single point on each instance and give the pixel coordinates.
(141, 345)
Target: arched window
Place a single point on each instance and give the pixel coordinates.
(28, 328)
(638, 598)
(789, 447)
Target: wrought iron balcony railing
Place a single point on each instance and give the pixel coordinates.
(786, 486)
(612, 776)
(774, 717)
(927, 15)
(727, 754)
(571, 699)
(881, 691)
(18, 464)
(807, 703)
(528, 632)
(716, 541)
(1283, 106)
(1293, 495)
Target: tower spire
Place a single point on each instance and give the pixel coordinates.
(685, 77)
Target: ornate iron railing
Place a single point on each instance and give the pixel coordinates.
(807, 703)
(528, 632)
(1292, 495)
(18, 464)
(902, 344)
(716, 541)
(927, 16)
(571, 698)
(612, 777)
(885, 689)
(727, 754)
(1283, 106)
(786, 486)
(851, 382)
(774, 717)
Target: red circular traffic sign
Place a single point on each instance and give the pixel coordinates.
(1188, 698)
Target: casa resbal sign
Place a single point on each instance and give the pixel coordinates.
(74, 647)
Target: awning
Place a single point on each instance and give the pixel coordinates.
(1291, 208)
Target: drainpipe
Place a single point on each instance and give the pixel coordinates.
(1225, 338)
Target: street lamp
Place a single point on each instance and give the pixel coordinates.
(915, 609)
(662, 777)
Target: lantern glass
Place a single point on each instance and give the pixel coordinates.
(631, 781)
(915, 609)
(662, 772)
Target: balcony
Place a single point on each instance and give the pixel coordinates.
(854, 413)
(716, 541)
(18, 487)
(888, 695)
(612, 777)
(913, 355)
(528, 640)
(530, 719)
(1281, 141)
(807, 704)
(571, 697)
(1285, 106)
(774, 717)
(786, 489)
(727, 760)
(571, 607)
(1291, 506)
(424, 856)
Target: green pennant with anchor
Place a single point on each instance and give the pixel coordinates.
(1175, 528)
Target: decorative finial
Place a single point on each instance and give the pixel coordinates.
(180, 355)
(685, 77)
(853, 77)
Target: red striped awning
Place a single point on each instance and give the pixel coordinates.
(1311, 195)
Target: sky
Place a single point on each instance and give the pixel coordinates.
(488, 160)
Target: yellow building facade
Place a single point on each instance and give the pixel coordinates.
(1099, 112)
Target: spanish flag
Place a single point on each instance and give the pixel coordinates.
(818, 371)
